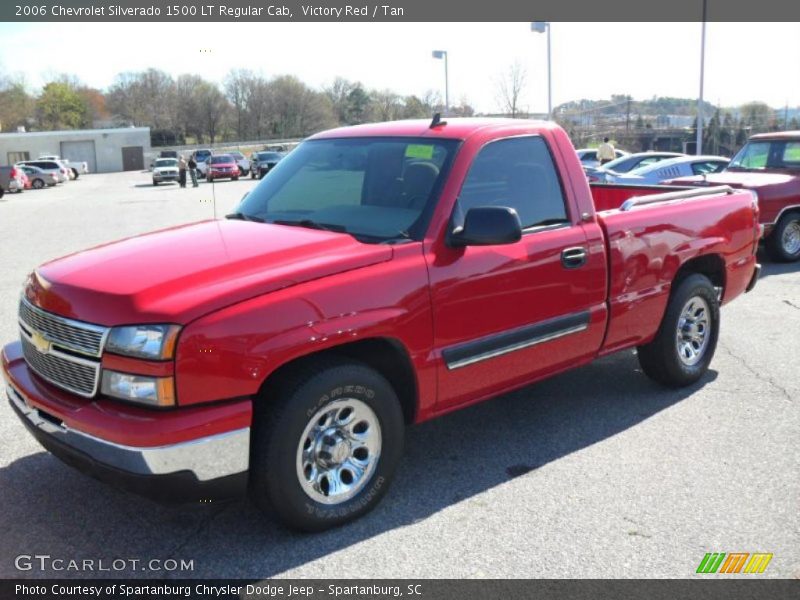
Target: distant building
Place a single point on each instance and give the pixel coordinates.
(105, 150)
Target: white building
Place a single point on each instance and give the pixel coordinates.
(105, 150)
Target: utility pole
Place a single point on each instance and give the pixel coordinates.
(544, 27)
(628, 116)
(699, 144)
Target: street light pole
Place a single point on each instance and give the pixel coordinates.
(442, 54)
(699, 143)
(542, 27)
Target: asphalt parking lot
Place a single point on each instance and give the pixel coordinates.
(596, 473)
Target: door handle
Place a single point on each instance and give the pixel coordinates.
(572, 258)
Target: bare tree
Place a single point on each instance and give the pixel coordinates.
(509, 89)
(238, 89)
(385, 105)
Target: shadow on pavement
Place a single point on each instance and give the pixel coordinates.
(770, 268)
(49, 508)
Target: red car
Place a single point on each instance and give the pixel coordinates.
(382, 275)
(222, 166)
(769, 165)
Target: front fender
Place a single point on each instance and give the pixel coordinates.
(231, 352)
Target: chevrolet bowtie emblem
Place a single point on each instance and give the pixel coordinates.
(40, 342)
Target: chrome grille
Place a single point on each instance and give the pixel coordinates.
(62, 369)
(62, 351)
(73, 335)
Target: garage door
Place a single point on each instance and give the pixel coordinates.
(132, 158)
(80, 152)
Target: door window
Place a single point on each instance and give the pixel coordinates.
(518, 173)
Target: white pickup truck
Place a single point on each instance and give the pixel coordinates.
(76, 168)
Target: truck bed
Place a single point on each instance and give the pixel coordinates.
(650, 233)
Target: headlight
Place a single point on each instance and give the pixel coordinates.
(154, 342)
(153, 391)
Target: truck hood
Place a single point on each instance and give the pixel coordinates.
(179, 274)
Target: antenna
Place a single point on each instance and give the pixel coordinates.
(437, 121)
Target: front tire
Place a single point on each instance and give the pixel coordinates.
(686, 340)
(327, 440)
(37, 184)
(783, 244)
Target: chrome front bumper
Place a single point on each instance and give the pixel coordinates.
(204, 468)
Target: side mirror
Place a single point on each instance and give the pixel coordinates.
(487, 226)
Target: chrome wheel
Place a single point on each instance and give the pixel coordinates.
(694, 331)
(338, 451)
(790, 239)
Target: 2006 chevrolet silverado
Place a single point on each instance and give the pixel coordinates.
(381, 275)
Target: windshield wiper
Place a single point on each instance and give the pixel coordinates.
(311, 224)
(240, 216)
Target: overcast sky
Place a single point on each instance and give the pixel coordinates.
(744, 62)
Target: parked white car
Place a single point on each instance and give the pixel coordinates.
(77, 168)
(669, 169)
(165, 169)
(588, 156)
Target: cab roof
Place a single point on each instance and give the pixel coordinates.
(451, 128)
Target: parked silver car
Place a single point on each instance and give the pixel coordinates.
(51, 166)
(39, 178)
(626, 164)
(683, 166)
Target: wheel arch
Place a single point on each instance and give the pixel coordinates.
(388, 356)
(710, 265)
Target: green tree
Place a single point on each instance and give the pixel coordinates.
(17, 107)
(60, 106)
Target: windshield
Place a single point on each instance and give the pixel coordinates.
(166, 162)
(375, 189)
(221, 159)
(653, 166)
(614, 165)
(237, 156)
(760, 156)
(269, 156)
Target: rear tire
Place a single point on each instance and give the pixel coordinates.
(686, 340)
(76, 173)
(783, 244)
(327, 440)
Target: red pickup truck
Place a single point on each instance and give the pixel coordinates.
(769, 165)
(379, 276)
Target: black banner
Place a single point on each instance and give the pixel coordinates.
(397, 10)
(386, 589)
